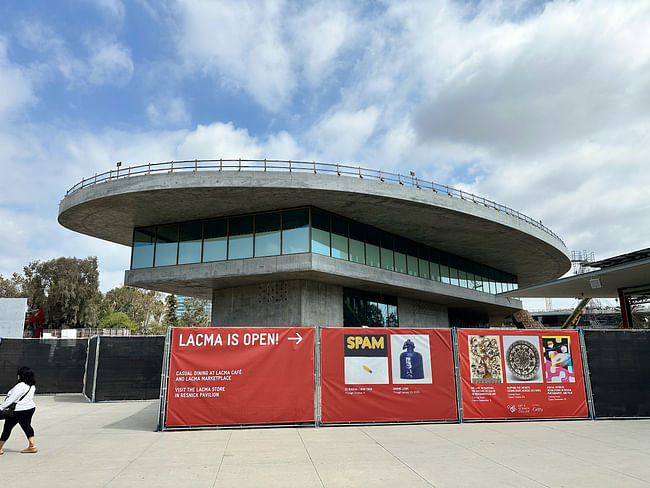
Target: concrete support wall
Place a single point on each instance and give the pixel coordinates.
(279, 303)
(419, 314)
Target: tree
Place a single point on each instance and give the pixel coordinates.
(66, 289)
(142, 307)
(171, 304)
(196, 313)
(118, 320)
(12, 287)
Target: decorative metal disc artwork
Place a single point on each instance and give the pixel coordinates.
(522, 358)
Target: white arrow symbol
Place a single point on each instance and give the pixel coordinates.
(299, 338)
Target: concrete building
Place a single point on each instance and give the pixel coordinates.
(276, 243)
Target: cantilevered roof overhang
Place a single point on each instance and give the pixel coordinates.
(630, 277)
(462, 226)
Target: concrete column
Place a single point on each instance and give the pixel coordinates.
(292, 303)
(415, 314)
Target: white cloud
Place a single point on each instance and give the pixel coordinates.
(115, 8)
(318, 36)
(15, 86)
(341, 134)
(552, 79)
(107, 62)
(265, 48)
(241, 43)
(168, 111)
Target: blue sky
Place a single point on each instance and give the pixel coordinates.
(544, 107)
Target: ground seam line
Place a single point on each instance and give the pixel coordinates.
(310, 459)
(225, 449)
(132, 461)
(398, 458)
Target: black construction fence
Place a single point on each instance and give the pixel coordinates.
(129, 368)
(124, 368)
(58, 364)
(619, 369)
(102, 368)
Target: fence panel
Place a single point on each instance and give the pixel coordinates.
(129, 368)
(620, 372)
(57, 363)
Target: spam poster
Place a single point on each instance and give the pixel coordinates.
(386, 375)
(366, 359)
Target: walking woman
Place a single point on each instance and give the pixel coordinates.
(23, 393)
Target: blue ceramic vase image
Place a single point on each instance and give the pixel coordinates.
(410, 363)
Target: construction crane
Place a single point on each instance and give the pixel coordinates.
(574, 318)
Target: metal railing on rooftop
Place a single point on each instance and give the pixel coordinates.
(302, 167)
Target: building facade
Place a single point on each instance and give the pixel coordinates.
(276, 243)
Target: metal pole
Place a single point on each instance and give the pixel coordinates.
(626, 311)
(317, 379)
(587, 375)
(164, 380)
(456, 354)
(92, 398)
(83, 385)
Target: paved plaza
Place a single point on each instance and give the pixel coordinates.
(115, 445)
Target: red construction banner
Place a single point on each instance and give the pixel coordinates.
(387, 375)
(508, 374)
(236, 376)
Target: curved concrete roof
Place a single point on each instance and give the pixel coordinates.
(111, 209)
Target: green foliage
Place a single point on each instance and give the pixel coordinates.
(118, 320)
(66, 289)
(157, 329)
(171, 304)
(12, 287)
(142, 307)
(196, 314)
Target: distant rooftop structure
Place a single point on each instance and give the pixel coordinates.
(630, 257)
(582, 261)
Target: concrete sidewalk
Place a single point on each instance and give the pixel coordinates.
(114, 445)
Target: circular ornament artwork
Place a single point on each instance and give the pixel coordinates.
(523, 361)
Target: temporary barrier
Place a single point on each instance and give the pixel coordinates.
(90, 373)
(57, 363)
(237, 375)
(124, 368)
(619, 367)
(507, 374)
(386, 375)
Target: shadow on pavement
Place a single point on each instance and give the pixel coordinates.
(146, 420)
(70, 398)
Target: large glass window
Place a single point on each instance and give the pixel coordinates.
(240, 239)
(423, 266)
(289, 231)
(462, 278)
(339, 238)
(166, 245)
(444, 274)
(412, 258)
(215, 235)
(295, 231)
(189, 242)
(267, 234)
(372, 248)
(143, 245)
(320, 232)
(366, 309)
(412, 265)
(387, 245)
(357, 245)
